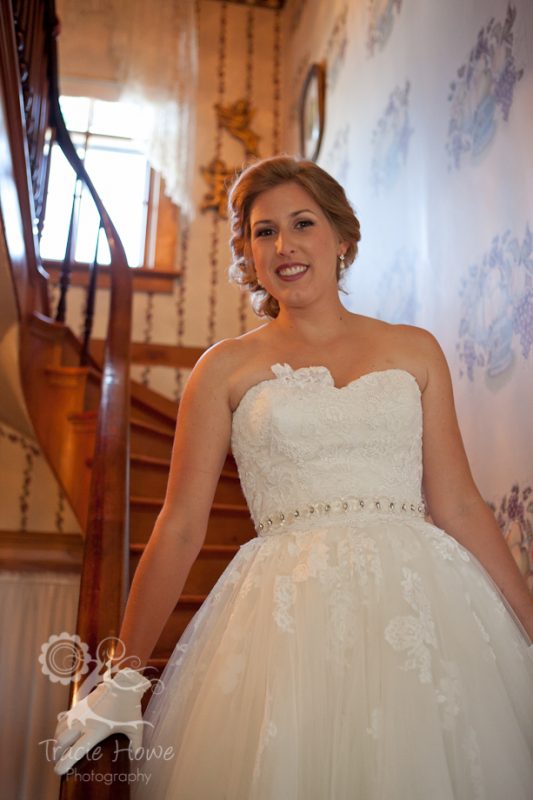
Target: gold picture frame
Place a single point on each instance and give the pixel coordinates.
(312, 111)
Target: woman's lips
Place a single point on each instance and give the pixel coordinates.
(291, 272)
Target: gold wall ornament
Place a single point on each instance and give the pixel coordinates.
(218, 176)
(236, 119)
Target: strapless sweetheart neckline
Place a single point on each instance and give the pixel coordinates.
(324, 370)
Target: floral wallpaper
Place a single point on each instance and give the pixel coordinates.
(32, 499)
(497, 307)
(515, 516)
(390, 138)
(429, 119)
(381, 18)
(482, 93)
(397, 290)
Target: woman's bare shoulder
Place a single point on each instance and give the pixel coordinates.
(223, 361)
(423, 349)
(408, 347)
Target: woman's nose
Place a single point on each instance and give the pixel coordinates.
(284, 244)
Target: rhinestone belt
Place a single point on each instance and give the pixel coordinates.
(338, 507)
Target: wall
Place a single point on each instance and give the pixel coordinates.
(31, 497)
(429, 121)
(239, 58)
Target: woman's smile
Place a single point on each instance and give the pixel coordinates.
(292, 271)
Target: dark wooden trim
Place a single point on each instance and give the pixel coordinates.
(38, 552)
(157, 281)
(163, 355)
(16, 197)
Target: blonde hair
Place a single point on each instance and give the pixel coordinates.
(267, 174)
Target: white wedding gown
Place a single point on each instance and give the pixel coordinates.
(352, 650)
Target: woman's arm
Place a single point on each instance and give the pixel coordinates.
(201, 443)
(453, 499)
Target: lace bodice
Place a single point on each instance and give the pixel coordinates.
(299, 440)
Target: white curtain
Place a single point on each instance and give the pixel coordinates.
(160, 73)
(33, 606)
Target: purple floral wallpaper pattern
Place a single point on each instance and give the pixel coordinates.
(515, 517)
(390, 139)
(336, 48)
(497, 307)
(397, 290)
(381, 18)
(337, 159)
(482, 93)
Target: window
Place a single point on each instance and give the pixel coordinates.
(104, 136)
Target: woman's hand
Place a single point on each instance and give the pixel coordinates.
(114, 706)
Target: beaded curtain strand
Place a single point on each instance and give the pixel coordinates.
(180, 302)
(249, 71)
(276, 83)
(215, 229)
(147, 334)
(184, 259)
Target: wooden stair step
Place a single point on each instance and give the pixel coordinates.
(185, 610)
(218, 508)
(206, 551)
(152, 407)
(209, 565)
(150, 439)
(66, 376)
(229, 523)
(149, 476)
(164, 463)
(143, 424)
(84, 421)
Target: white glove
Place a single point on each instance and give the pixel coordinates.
(113, 707)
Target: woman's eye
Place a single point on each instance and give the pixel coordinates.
(304, 223)
(263, 232)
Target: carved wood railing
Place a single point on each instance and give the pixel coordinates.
(30, 107)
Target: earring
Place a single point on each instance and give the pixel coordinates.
(341, 259)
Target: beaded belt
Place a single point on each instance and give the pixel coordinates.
(339, 507)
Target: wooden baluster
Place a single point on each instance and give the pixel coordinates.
(89, 308)
(64, 280)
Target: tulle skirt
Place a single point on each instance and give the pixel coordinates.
(362, 662)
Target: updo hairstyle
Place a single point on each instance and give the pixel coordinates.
(267, 174)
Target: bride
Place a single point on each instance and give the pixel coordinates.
(374, 639)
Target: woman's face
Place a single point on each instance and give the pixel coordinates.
(294, 246)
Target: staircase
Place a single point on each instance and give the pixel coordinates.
(65, 400)
(107, 439)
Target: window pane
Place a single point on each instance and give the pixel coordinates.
(119, 172)
(88, 223)
(120, 180)
(58, 207)
(76, 112)
(115, 119)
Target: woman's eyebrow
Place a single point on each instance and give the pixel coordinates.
(292, 214)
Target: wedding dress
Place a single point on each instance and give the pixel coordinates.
(351, 650)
